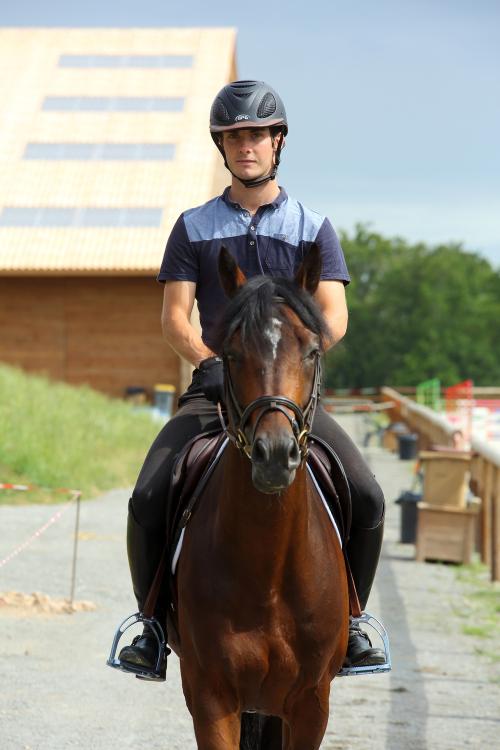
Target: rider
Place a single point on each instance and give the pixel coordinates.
(268, 233)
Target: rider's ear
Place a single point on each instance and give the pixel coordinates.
(309, 272)
(230, 274)
(276, 141)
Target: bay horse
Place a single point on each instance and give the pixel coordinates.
(262, 610)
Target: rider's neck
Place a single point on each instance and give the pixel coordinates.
(252, 198)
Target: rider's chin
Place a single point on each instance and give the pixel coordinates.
(246, 174)
(272, 484)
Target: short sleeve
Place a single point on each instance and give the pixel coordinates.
(180, 260)
(334, 266)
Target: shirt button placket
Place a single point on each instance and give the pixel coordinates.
(252, 235)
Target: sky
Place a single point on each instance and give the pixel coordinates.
(393, 105)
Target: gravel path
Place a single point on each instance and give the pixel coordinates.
(57, 693)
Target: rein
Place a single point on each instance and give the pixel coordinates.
(300, 423)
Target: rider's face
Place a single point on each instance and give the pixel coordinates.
(249, 151)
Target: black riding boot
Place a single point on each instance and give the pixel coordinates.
(363, 552)
(144, 550)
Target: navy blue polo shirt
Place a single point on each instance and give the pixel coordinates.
(273, 242)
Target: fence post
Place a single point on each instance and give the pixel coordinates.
(495, 529)
(75, 549)
(486, 531)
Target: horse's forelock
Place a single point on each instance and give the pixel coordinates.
(257, 302)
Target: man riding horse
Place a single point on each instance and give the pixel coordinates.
(267, 232)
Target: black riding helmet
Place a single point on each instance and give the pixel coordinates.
(246, 104)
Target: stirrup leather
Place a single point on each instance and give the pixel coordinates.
(372, 621)
(158, 672)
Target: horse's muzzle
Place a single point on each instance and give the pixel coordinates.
(274, 463)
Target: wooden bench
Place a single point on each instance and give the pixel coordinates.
(446, 533)
(447, 515)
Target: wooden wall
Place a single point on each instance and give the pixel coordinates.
(97, 330)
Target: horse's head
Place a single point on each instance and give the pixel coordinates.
(271, 342)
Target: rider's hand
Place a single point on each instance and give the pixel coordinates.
(212, 379)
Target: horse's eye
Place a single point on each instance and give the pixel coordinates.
(310, 356)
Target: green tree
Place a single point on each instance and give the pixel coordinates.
(416, 312)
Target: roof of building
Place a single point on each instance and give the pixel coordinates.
(104, 141)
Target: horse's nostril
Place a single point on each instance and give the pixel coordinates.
(293, 454)
(260, 451)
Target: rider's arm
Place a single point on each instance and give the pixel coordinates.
(330, 296)
(180, 272)
(178, 301)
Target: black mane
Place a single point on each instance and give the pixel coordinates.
(255, 304)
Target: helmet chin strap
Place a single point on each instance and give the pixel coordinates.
(258, 180)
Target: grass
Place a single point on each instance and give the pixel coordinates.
(480, 608)
(54, 435)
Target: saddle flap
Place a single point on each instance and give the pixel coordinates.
(331, 477)
(190, 469)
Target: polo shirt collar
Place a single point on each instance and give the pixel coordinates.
(276, 203)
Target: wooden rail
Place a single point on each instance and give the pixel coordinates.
(485, 472)
(432, 428)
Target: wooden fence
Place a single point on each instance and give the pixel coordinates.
(433, 429)
(485, 472)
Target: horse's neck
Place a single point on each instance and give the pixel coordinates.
(247, 519)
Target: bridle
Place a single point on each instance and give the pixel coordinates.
(300, 423)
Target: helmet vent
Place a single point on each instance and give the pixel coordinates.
(219, 111)
(267, 105)
(243, 84)
(243, 94)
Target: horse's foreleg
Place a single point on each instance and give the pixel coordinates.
(308, 718)
(217, 734)
(216, 718)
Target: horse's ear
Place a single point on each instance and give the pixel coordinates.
(230, 274)
(309, 272)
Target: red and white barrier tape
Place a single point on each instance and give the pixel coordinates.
(26, 487)
(8, 486)
(55, 517)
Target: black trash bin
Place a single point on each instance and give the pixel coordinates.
(408, 502)
(408, 446)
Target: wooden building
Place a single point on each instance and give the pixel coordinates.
(104, 141)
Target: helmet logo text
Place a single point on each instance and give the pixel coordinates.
(241, 117)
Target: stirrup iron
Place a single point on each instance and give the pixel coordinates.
(372, 621)
(158, 672)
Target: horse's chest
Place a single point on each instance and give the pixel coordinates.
(263, 666)
(272, 642)
(268, 665)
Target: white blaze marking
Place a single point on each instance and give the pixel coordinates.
(273, 334)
